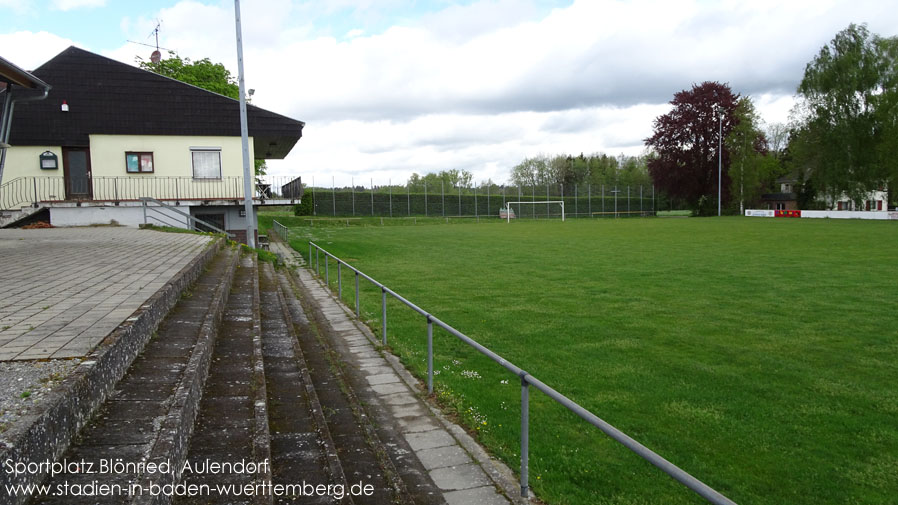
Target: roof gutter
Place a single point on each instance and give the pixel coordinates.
(13, 75)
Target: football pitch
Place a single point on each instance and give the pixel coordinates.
(759, 355)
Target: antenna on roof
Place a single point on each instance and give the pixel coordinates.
(156, 56)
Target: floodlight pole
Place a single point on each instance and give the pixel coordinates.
(244, 137)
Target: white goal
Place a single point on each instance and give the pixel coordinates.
(548, 204)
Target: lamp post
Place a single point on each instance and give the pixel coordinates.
(244, 136)
(719, 159)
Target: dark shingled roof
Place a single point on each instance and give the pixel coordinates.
(109, 97)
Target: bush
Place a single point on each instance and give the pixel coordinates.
(305, 205)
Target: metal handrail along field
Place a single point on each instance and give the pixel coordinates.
(527, 380)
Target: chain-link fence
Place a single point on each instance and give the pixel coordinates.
(484, 201)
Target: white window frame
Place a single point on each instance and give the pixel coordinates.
(197, 150)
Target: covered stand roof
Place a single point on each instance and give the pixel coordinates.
(109, 97)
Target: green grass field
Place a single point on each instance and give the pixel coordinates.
(757, 354)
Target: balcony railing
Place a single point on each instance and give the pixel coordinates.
(37, 191)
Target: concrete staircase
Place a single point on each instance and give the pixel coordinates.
(13, 217)
(237, 389)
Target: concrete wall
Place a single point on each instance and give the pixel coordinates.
(831, 214)
(132, 215)
(105, 214)
(845, 214)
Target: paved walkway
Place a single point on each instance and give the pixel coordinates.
(62, 290)
(456, 464)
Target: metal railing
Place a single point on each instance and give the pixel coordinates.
(280, 230)
(191, 221)
(34, 190)
(527, 380)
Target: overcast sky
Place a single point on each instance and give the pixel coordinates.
(391, 87)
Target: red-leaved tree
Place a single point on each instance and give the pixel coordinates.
(686, 141)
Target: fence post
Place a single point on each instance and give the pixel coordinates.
(317, 265)
(34, 183)
(327, 275)
(357, 314)
(429, 356)
(352, 192)
(525, 433)
(383, 310)
(391, 198)
(443, 197)
(476, 213)
(310, 253)
(339, 280)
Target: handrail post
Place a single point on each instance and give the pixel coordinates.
(34, 181)
(429, 356)
(383, 310)
(144, 212)
(327, 274)
(357, 314)
(310, 252)
(525, 433)
(317, 265)
(339, 280)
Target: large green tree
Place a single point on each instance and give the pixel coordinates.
(846, 133)
(201, 73)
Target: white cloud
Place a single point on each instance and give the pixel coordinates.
(488, 145)
(68, 5)
(480, 86)
(29, 50)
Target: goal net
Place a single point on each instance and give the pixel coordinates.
(539, 209)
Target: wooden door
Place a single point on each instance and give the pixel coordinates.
(76, 170)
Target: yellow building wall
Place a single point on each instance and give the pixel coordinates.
(24, 161)
(171, 154)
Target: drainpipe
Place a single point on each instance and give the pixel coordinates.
(6, 120)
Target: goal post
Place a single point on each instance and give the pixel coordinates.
(538, 202)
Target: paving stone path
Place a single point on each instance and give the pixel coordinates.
(63, 290)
